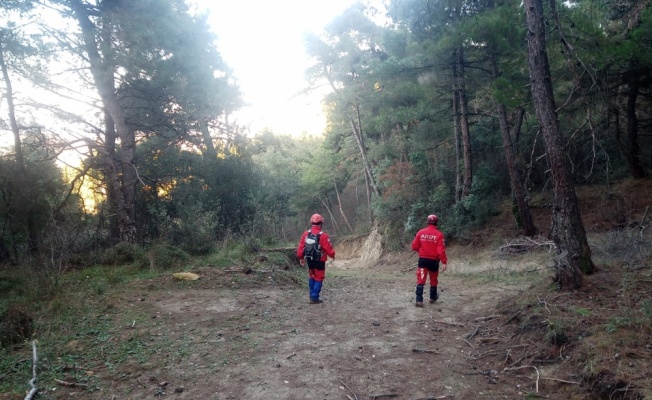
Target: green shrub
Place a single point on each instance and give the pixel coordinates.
(162, 256)
(124, 253)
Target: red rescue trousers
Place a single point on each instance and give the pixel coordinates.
(422, 275)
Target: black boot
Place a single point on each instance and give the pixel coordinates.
(433, 294)
(419, 293)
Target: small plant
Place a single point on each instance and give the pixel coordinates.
(557, 334)
(582, 311)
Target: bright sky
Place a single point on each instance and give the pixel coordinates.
(262, 41)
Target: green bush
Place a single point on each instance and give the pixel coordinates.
(124, 253)
(162, 256)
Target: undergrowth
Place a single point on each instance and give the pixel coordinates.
(82, 319)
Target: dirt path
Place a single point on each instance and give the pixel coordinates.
(264, 341)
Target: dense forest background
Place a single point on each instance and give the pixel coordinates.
(435, 107)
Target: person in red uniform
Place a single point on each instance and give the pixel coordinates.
(429, 242)
(316, 268)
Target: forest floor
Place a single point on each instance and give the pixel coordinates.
(500, 330)
(257, 337)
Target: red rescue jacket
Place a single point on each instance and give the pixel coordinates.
(324, 242)
(429, 242)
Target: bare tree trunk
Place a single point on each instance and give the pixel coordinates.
(339, 203)
(18, 148)
(458, 145)
(567, 230)
(104, 81)
(110, 176)
(327, 205)
(208, 140)
(633, 150)
(357, 133)
(464, 123)
(524, 217)
(32, 234)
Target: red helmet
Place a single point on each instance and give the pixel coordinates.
(316, 219)
(432, 219)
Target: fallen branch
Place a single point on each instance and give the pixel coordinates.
(544, 304)
(471, 335)
(487, 318)
(291, 355)
(409, 267)
(70, 384)
(383, 396)
(486, 353)
(528, 366)
(32, 382)
(513, 316)
(431, 398)
(561, 380)
(347, 388)
(521, 245)
(490, 340)
(425, 351)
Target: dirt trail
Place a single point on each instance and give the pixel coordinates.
(267, 342)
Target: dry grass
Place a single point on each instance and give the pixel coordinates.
(599, 337)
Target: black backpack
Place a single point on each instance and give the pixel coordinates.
(312, 249)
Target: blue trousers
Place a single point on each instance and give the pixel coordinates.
(315, 288)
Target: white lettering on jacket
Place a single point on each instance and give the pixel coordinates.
(429, 238)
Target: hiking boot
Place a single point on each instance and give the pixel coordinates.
(318, 301)
(418, 304)
(432, 300)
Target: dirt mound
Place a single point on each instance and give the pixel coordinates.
(349, 247)
(368, 248)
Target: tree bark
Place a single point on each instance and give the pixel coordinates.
(208, 140)
(339, 203)
(327, 205)
(110, 176)
(633, 148)
(464, 122)
(458, 146)
(356, 125)
(104, 81)
(524, 217)
(18, 149)
(567, 230)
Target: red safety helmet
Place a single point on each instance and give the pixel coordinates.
(432, 219)
(316, 219)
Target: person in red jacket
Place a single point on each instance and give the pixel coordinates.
(429, 242)
(316, 264)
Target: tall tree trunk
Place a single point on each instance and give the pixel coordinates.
(208, 140)
(32, 234)
(567, 229)
(327, 204)
(339, 203)
(356, 125)
(104, 81)
(18, 148)
(110, 176)
(356, 130)
(524, 217)
(633, 149)
(464, 122)
(458, 145)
